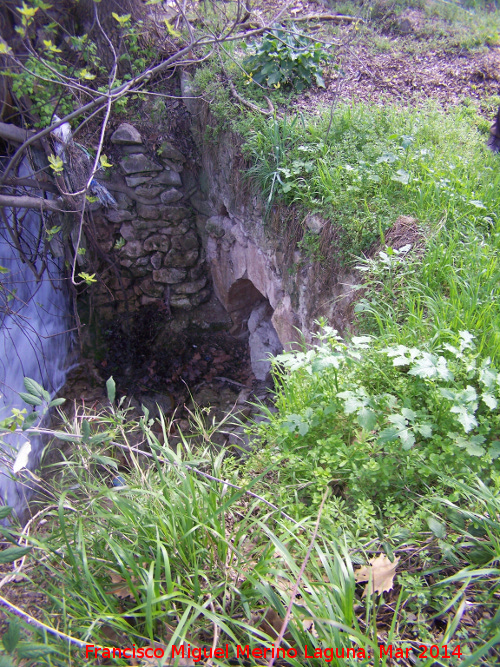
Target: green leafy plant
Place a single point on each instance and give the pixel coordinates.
(287, 57)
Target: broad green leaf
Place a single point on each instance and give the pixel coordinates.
(437, 527)
(11, 638)
(401, 176)
(30, 420)
(30, 399)
(13, 553)
(430, 366)
(56, 402)
(425, 430)
(303, 428)
(367, 419)
(409, 414)
(472, 445)
(98, 438)
(388, 435)
(398, 420)
(320, 363)
(66, 437)
(490, 401)
(106, 461)
(111, 389)
(33, 387)
(465, 417)
(407, 438)
(494, 450)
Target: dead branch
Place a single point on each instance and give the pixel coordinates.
(15, 134)
(24, 201)
(325, 17)
(249, 104)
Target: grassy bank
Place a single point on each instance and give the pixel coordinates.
(367, 167)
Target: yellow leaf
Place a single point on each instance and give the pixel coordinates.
(104, 161)
(84, 74)
(4, 48)
(27, 12)
(89, 279)
(51, 47)
(122, 20)
(56, 164)
(170, 29)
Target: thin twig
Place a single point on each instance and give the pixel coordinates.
(288, 614)
(325, 17)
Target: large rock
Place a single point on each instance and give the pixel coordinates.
(170, 196)
(143, 228)
(175, 213)
(148, 191)
(169, 276)
(314, 223)
(192, 287)
(134, 164)
(168, 177)
(133, 249)
(157, 260)
(126, 134)
(201, 297)
(152, 288)
(185, 242)
(215, 226)
(180, 301)
(263, 340)
(117, 215)
(169, 152)
(140, 267)
(157, 243)
(180, 258)
(123, 201)
(133, 181)
(148, 212)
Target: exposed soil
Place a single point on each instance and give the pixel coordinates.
(378, 64)
(143, 356)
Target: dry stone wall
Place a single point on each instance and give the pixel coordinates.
(151, 235)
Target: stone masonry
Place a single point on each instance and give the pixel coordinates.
(151, 234)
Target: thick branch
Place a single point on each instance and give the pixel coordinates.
(23, 201)
(15, 134)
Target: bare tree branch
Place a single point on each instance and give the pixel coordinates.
(24, 201)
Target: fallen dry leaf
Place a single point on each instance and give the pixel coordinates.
(380, 571)
(121, 588)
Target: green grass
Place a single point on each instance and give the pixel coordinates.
(376, 164)
(176, 555)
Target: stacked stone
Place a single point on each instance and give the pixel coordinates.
(160, 253)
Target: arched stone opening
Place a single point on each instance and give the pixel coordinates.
(251, 314)
(242, 298)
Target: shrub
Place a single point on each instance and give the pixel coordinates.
(287, 57)
(378, 424)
